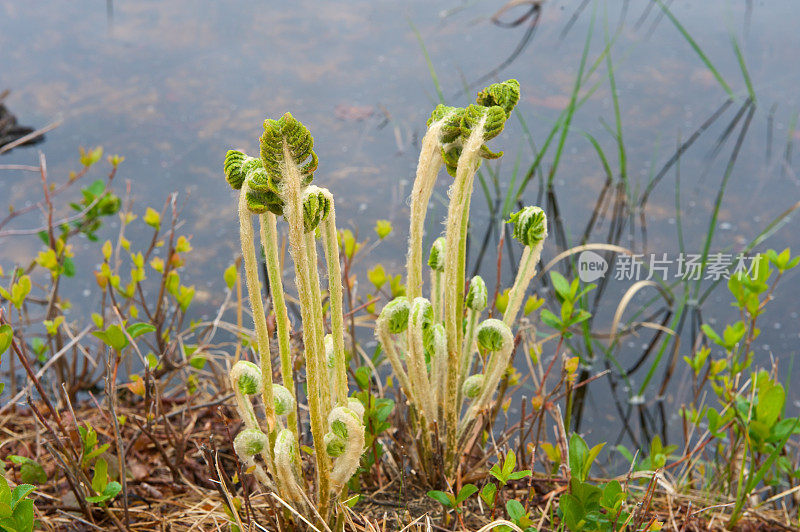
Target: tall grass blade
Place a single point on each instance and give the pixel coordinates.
(696, 47)
(721, 192)
(429, 62)
(572, 103)
(623, 166)
(743, 66)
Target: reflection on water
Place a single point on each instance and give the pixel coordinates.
(173, 85)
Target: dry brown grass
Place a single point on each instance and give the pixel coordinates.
(170, 491)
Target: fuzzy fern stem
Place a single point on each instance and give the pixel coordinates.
(256, 304)
(419, 324)
(476, 300)
(458, 211)
(269, 240)
(318, 323)
(331, 246)
(428, 166)
(293, 211)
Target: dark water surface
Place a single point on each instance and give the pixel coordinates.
(173, 85)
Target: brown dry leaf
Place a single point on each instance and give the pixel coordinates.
(138, 470)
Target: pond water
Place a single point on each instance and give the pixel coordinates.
(173, 85)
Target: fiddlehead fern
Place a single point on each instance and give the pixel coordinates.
(279, 182)
(234, 173)
(330, 242)
(285, 457)
(476, 300)
(284, 400)
(456, 138)
(393, 320)
(236, 165)
(478, 125)
(345, 443)
(316, 206)
(246, 378)
(443, 128)
(248, 444)
(395, 314)
(260, 197)
(495, 337)
(246, 381)
(494, 106)
(505, 95)
(477, 295)
(530, 226)
(530, 229)
(473, 386)
(269, 240)
(436, 257)
(436, 263)
(289, 161)
(287, 140)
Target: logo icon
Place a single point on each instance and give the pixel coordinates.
(591, 266)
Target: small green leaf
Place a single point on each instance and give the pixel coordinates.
(770, 404)
(550, 319)
(515, 510)
(560, 285)
(578, 455)
(519, 474)
(352, 500)
(573, 511)
(152, 360)
(88, 158)
(383, 228)
(100, 478)
(6, 335)
(19, 493)
(152, 218)
(466, 492)
(712, 335)
(230, 276)
(509, 464)
(183, 245)
(488, 494)
(30, 471)
(377, 276)
(113, 337)
(138, 329)
(112, 489)
(442, 498)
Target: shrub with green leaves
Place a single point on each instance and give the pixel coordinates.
(16, 509)
(588, 506)
(749, 425)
